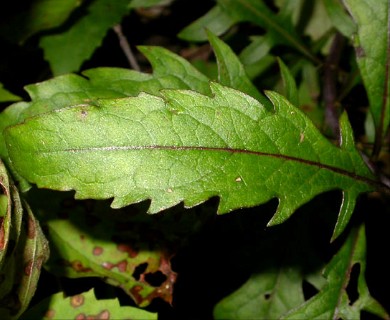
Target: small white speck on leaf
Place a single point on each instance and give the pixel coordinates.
(169, 190)
(301, 137)
(238, 179)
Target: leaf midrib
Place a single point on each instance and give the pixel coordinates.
(319, 165)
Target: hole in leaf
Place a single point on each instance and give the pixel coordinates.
(155, 279)
(352, 287)
(309, 290)
(140, 269)
(267, 296)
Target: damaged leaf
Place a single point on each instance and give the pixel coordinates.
(84, 306)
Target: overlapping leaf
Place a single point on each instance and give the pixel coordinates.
(23, 250)
(189, 147)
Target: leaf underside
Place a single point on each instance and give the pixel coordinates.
(188, 147)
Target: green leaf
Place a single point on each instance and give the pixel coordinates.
(66, 51)
(216, 20)
(23, 250)
(263, 296)
(84, 306)
(372, 54)
(82, 246)
(148, 3)
(339, 17)
(170, 71)
(231, 71)
(290, 87)
(280, 29)
(189, 147)
(333, 302)
(40, 15)
(6, 96)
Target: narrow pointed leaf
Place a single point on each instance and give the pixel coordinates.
(373, 54)
(231, 72)
(84, 306)
(281, 29)
(290, 87)
(216, 20)
(333, 302)
(339, 17)
(188, 147)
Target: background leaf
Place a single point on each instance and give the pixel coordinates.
(23, 250)
(84, 306)
(6, 96)
(184, 148)
(67, 50)
(334, 301)
(257, 12)
(231, 72)
(372, 54)
(217, 20)
(36, 16)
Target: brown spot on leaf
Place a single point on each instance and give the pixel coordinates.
(50, 314)
(108, 265)
(31, 228)
(2, 234)
(104, 315)
(132, 252)
(122, 266)
(135, 293)
(301, 137)
(81, 316)
(77, 300)
(78, 266)
(360, 53)
(97, 251)
(28, 268)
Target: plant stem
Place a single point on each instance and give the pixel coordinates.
(126, 47)
(329, 89)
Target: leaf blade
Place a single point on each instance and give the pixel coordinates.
(187, 147)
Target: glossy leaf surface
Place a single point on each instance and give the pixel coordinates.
(189, 147)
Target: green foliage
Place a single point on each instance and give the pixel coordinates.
(373, 58)
(268, 140)
(182, 147)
